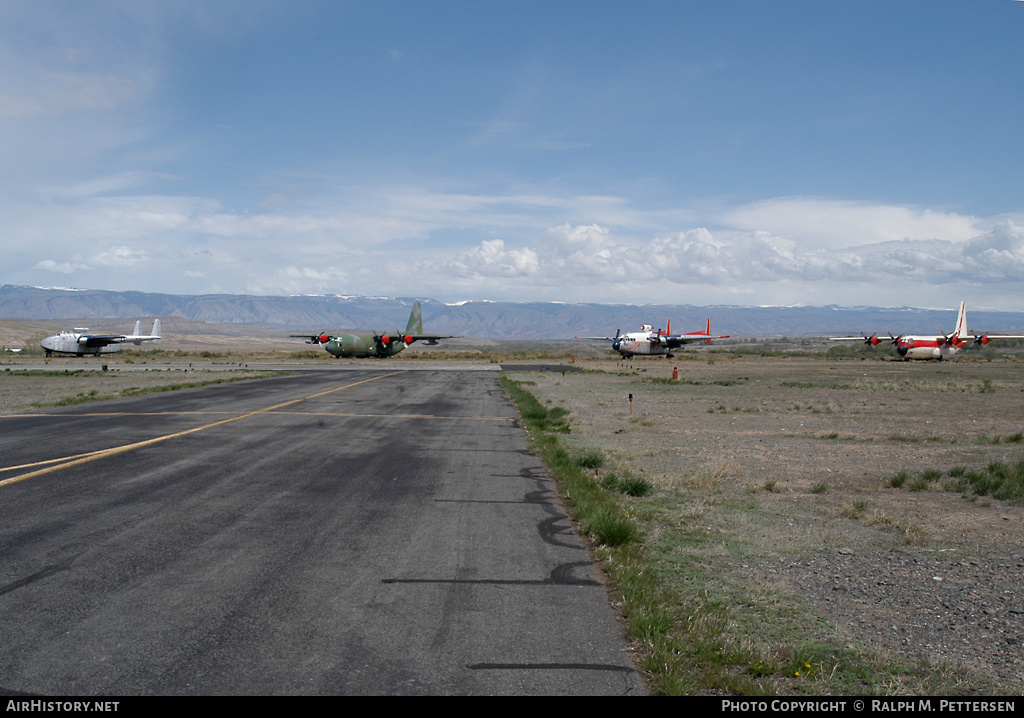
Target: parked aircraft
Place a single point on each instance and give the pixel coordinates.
(932, 346)
(79, 342)
(649, 342)
(373, 343)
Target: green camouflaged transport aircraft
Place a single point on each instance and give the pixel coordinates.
(375, 344)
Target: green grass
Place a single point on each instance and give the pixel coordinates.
(997, 480)
(594, 506)
(629, 485)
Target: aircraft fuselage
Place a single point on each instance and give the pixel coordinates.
(640, 344)
(75, 343)
(361, 346)
(928, 347)
(80, 342)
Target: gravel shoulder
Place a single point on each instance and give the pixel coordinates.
(23, 391)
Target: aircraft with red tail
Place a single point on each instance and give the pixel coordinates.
(648, 342)
(942, 347)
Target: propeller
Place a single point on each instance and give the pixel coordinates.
(875, 340)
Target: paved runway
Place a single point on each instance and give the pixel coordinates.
(357, 532)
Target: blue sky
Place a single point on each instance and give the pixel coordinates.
(701, 152)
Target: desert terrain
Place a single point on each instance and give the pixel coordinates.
(831, 490)
(826, 485)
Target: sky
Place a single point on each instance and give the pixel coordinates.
(680, 152)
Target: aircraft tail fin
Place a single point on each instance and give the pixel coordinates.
(961, 323)
(138, 337)
(415, 325)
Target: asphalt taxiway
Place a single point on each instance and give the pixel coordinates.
(364, 532)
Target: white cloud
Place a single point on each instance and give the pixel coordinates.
(589, 260)
(490, 260)
(830, 224)
(119, 256)
(50, 265)
(997, 255)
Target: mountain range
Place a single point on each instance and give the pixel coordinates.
(490, 320)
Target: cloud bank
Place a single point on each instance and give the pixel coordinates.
(397, 244)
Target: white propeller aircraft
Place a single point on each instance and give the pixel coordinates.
(648, 342)
(932, 346)
(79, 342)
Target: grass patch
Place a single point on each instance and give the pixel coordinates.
(855, 510)
(629, 485)
(590, 460)
(997, 480)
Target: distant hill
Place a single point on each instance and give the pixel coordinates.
(491, 320)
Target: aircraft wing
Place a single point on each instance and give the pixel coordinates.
(100, 340)
(874, 339)
(410, 338)
(984, 338)
(321, 338)
(680, 339)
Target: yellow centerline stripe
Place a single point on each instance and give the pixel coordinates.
(395, 416)
(92, 456)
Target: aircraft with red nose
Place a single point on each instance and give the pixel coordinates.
(942, 347)
(363, 344)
